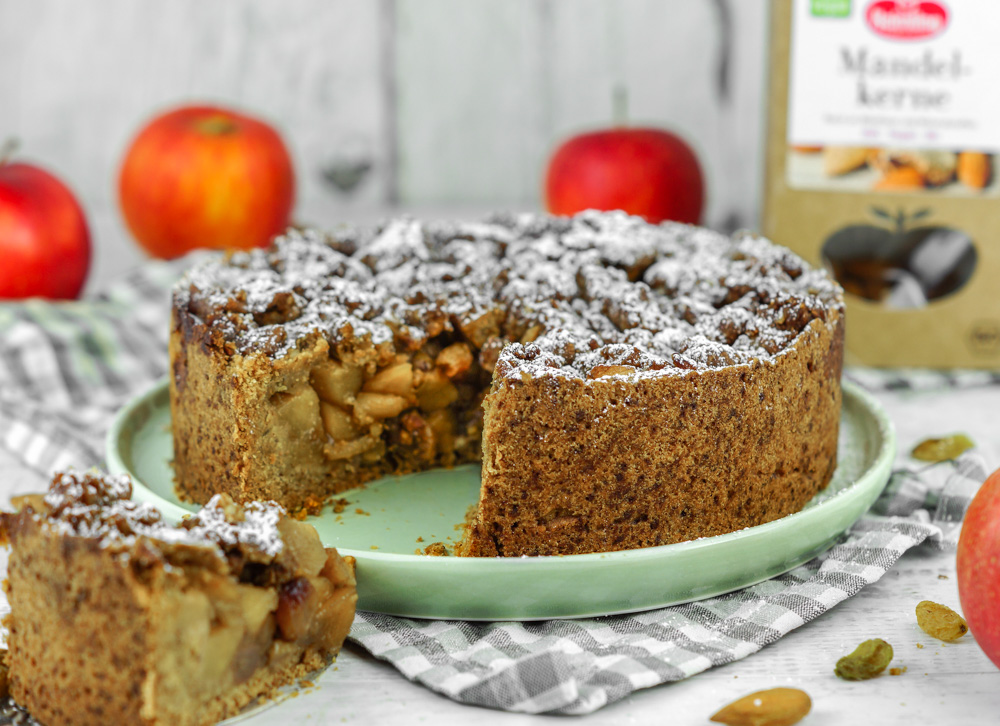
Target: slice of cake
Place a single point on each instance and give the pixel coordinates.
(117, 617)
(625, 384)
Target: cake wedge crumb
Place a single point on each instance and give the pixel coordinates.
(117, 616)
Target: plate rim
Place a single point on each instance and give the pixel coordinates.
(881, 463)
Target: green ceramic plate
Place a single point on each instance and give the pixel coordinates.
(388, 520)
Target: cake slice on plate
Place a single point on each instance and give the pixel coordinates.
(118, 617)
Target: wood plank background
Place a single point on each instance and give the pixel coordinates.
(453, 104)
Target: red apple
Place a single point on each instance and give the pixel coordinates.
(979, 567)
(648, 172)
(44, 240)
(204, 176)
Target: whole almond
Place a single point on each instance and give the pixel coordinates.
(773, 707)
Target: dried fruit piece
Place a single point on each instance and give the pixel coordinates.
(940, 621)
(867, 661)
(297, 603)
(942, 449)
(773, 707)
(307, 610)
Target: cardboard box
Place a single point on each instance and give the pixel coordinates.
(881, 165)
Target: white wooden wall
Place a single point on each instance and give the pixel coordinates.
(456, 104)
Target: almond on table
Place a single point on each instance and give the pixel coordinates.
(773, 707)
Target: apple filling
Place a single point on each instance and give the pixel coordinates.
(417, 409)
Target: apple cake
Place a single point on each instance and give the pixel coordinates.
(117, 617)
(624, 384)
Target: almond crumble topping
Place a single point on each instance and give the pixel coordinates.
(600, 289)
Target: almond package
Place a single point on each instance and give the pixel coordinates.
(883, 129)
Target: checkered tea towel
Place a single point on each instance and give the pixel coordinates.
(66, 368)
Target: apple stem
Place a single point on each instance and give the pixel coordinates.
(7, 150)
(619, 104)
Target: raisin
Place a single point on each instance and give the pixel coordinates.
(940, 621)
(942, 449)
(867, 661)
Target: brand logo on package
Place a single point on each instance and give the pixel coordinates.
(906, 19)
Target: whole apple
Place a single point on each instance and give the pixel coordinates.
(44, 239)
(648, 172)
(979, 567)
(205, 176)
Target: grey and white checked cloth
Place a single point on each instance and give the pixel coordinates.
(66, 368)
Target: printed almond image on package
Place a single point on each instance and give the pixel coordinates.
(884, 125)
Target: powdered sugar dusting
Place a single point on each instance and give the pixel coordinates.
(602, 289)
(98, 506)
(255, 524)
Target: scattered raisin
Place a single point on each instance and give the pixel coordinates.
(940, 621)
(773, 707)
(942, 449)
(867, 661)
